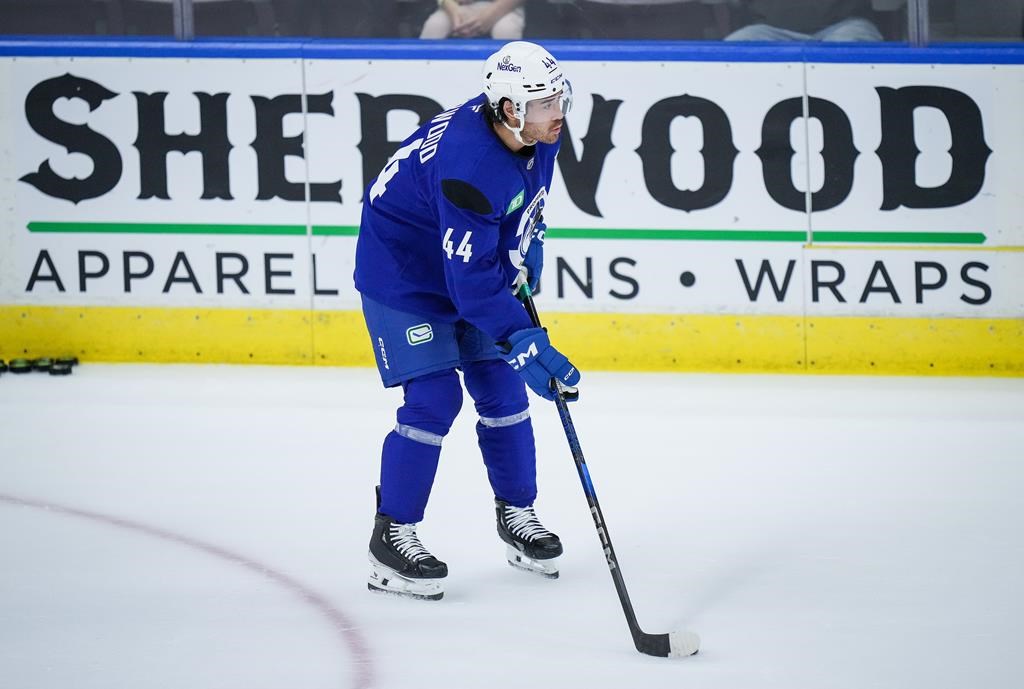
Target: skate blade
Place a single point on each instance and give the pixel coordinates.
(404, 594)
(545, 568)
(383, 579)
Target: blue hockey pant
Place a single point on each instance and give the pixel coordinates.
(432, 401)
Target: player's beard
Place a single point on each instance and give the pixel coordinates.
(547, 133)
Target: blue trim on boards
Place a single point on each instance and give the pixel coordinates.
(591, 51)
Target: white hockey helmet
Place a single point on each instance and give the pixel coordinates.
(522, 72)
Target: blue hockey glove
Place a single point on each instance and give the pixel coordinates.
(534, 260)
(530, 353)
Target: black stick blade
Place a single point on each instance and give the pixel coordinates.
(673, 645)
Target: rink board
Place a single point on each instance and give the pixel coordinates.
(785, 208)
(627, 342)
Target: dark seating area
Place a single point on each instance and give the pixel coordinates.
(972, 20)
(59, 17)
(87, 17)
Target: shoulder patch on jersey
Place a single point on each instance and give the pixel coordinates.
(464, 195)
(516, 202)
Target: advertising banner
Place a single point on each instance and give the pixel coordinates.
(228, 190)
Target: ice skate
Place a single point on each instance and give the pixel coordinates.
(531, 547)
(399, 563)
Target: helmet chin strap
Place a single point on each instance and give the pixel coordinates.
(517, 132)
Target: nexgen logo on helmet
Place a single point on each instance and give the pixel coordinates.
(506, 65)
(530, 77)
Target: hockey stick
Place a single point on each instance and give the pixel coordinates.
(671, 645)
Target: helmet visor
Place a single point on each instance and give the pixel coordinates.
(551, 108)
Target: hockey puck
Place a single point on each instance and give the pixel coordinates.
(66, 361)
(20, 366)
(59, 369)
(42, 364)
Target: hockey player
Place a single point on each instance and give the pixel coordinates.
(451, 229)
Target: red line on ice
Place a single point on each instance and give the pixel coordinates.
(342, 625)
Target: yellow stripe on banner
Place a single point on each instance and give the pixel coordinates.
(595, 341)
(916, 346)
(654, 342)
(789, 344)
(165, 335)
(341, 339)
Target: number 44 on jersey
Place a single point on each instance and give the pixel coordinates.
(465, 249)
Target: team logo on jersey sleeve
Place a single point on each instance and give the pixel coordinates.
(527, 223)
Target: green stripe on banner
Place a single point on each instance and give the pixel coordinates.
(190, 228)
(900, 237)
(972, 238)
(335, 230)
(772, 236)
(164, 228)
(685, 235)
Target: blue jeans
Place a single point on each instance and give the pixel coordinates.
(847, 31)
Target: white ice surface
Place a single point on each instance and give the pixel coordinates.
(817, 532)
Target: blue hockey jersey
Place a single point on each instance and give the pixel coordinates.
(447, 222)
